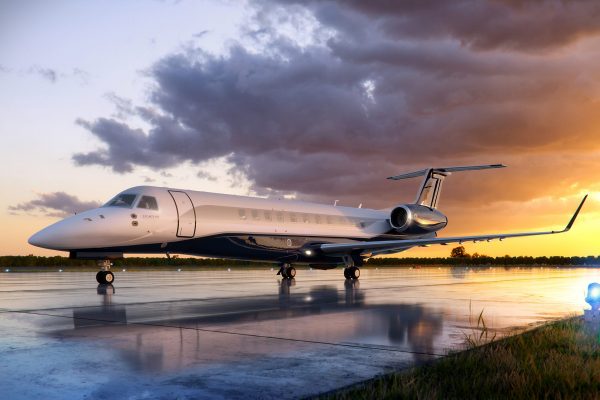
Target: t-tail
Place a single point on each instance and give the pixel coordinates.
(429, 193)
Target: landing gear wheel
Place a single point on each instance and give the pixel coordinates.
(290, 272)
(352, 273)
(105, 277)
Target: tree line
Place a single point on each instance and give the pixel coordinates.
(458, 256)
(487, 260)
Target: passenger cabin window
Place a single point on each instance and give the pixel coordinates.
(148, 202)
(122, 200)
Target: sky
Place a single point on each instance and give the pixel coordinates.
(317, 100)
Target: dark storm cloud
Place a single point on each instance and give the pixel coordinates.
(332, 119)
(57, 204)
(126, 147)
(523, 25)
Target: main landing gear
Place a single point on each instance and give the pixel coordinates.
(287, 271)
(104, 276)
(351, 271)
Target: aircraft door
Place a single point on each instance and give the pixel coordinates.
(186, 215)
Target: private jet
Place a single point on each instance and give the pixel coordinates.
(159, 220)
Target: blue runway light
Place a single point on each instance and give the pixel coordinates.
(593, 295)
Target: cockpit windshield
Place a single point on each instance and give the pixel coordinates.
(148, 202)
(122, 200)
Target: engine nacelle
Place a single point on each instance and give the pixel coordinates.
(416, 219)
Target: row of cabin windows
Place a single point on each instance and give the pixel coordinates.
(282, 216)
(148, 202)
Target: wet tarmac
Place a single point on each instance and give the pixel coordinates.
(249, 334)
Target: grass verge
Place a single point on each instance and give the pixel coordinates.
(560, 360)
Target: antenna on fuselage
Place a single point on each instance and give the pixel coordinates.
(335, 203)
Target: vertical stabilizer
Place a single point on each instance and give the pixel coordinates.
(431, 188)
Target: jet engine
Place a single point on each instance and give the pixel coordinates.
(416, 219)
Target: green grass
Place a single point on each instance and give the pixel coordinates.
(557, 361)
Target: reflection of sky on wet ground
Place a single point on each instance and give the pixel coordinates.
(247, 333)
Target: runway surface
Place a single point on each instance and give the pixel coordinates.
(249, 334)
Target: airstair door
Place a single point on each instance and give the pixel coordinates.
(186, 215)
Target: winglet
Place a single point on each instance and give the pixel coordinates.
(572, 221)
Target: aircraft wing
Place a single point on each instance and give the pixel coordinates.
(387, 246)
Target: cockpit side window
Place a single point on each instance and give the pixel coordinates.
(122, 200)
(148, 202)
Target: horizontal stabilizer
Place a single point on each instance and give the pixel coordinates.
(445, 170)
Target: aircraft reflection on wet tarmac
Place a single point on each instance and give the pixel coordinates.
(245, 334)
(321, 316)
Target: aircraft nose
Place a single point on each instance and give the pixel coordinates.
(50, 237)
(62, 235)
(38, 239)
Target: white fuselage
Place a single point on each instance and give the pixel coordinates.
(182, 217)
(148, 219)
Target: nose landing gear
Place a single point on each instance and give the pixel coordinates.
(104, 276)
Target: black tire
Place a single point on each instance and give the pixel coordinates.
(346, 274)
(105, 277)
(290, 272)
(354, 272)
